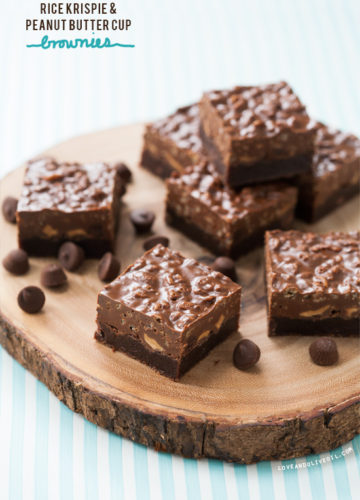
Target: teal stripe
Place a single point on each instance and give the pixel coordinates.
(141, 472)
(42, 436)
(241, 478)
(66, 453)
(340, 474)
(291, 480)
(316, 477)
(192, 479)
(17, 431)
(116, 467)
(90, 461)
(217, 479)
(266, 485)
(166, 476)
(356, 445)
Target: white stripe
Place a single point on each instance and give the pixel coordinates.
(78, 454)
(29, 436)
(154, 474)
(179, 478)
(253, 482)
(103, 468)
(204, 479)
(328, 477)
(6, 420)
(128, 469)
(352, 469)
(278, 480)
(53, 447)
(230, 481)
(304, 480)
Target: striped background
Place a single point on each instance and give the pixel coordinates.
(181, 49)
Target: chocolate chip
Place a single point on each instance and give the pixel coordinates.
(124, 172)
(16, 262)
(122, 188)
(206, 259)
(109, 267)
(53, 276)
(246, 354)
(155, 240)
(71, 256)
(142, 220)
(9, 208)
(324, 351)
(31, 299)
(226, 266)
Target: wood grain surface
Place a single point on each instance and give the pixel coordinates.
(284, 407)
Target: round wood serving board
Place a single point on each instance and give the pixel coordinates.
(284, 407)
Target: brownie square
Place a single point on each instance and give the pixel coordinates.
(167, 311)
(313, 283)
(68, 202)
(172, 143)
(334, 177)
(256, 134)
(225, 221)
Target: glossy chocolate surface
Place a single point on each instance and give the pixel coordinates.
(333, 149)
(66, 187)
(264, 110)
(182, 128)
(165, 285)
(313, 263)
(204, 184)
(63, 201)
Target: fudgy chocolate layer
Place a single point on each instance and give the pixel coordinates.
(309, 211)
(241, 247)
(327, 326)
(163, 363)
(262, 171)
(44, 247)
(155, 165)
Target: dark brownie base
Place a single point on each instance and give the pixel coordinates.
(262, 171)
(166, 365)
(215, 245)
(307, 211)
(43, 247)
(155, 165)
(338, 327)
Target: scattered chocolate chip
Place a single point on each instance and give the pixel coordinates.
(155, 240)
(31, 299)
(109, 267)
(71, 256)
(16, 262)
(226, 266)
(324, 351)
(142, 220)
(53, 276)
(122, 188)
(124, 172)
(206, 259)
(246, 354)
(9, 208)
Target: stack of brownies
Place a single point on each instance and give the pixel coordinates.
(242, 160)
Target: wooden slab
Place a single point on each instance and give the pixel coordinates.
(284, 407)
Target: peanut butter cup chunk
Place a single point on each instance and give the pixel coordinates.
(167, 311)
